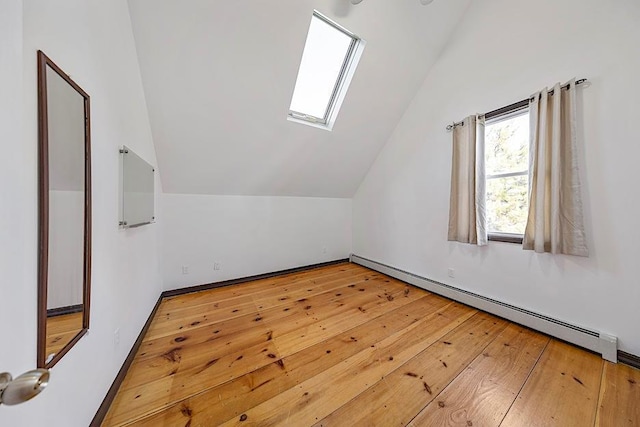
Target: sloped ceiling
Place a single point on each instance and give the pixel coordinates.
(219, 75)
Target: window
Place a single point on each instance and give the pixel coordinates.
(328, 62)
(507, 171)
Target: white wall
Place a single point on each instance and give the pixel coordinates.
(66, 248)
(17, 204)
(503, 51)
(219, 84)
(66, 128)
(249, 235)
(93, 42)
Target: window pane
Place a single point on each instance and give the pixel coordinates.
(507, 202)
(507, 145)
(324, 54)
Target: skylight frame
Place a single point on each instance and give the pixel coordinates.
(343, 80)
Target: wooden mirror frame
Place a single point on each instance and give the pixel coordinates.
(43, 212)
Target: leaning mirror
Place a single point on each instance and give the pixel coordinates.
(64, 265)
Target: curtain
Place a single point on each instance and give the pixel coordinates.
(555, 223)
(467, 204)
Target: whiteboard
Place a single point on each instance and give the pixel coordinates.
(137, 202)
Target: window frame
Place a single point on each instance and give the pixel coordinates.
(505, 113)
(342, 81)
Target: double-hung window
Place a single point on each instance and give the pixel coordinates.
(507, 174)
(328, 62)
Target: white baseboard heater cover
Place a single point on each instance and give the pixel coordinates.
(604, 344)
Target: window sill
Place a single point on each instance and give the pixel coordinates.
(319, 125)
(506, 238)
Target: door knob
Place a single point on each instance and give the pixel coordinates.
(25, 387)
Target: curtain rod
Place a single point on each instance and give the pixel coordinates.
(515, 106)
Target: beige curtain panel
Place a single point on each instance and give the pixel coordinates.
(467, 206)
(555, 223)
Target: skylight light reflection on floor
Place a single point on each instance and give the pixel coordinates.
(322, 60)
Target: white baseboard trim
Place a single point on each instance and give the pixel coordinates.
(598, 342)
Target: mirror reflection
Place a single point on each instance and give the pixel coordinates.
(64, 221)
(66, 212)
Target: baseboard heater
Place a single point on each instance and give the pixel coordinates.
(604, 344)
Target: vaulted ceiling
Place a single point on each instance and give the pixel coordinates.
(219, 74)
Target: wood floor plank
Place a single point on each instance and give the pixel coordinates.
(270, 296)
(238, 295)
(321, 395)
(310, 288)
(188, 334)
(484, 391)
(148, 398)
(183, 359)
(256, 387)
(185, 371)
(246, 289)
(619, 402)
(345, 345)
(318, 331)
(561, 391)
(422, 378)
(167, 324)
(61, 330)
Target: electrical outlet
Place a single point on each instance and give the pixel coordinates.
(185, 269)
(116, 337)
(216, 266)
(452, 272)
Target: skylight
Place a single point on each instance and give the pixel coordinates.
(328, 61)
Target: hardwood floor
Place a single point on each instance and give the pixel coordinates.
(344, 345)
(62, 329)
